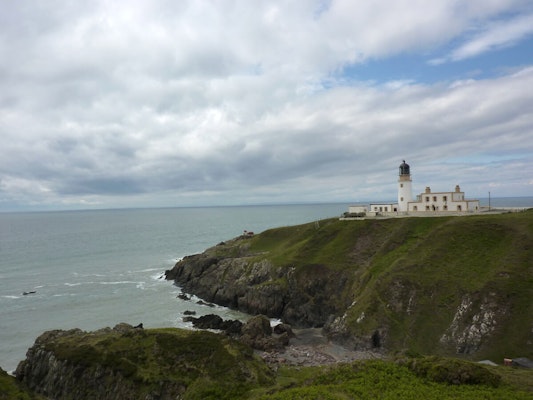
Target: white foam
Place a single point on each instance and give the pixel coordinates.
(11, 297)
(159, 276)
(274, 322)
(118, 283)
(148, 270)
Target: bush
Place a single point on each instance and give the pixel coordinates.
(452, 371)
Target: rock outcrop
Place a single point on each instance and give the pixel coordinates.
(129, 363)
(306, 297)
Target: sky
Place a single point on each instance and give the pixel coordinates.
(161, 103)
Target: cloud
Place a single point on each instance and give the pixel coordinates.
(490, 37)
(202, 102)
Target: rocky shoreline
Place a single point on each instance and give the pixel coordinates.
(282, 345)
(310, 348)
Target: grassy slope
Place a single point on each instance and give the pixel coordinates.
(430, 263)
(417, 379)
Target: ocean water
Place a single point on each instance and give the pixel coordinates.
(92, 269)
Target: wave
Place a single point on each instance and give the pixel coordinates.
(159, 276)
(11, 297)
(88, 275)
(148, 270)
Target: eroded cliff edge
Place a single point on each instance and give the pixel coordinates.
(449, 285)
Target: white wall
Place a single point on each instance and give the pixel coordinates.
(443, 201)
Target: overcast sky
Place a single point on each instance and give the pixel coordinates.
(177, 103)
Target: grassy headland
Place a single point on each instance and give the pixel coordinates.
(447, 285)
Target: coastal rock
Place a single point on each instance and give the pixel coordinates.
(474, 322)
(257, 333)
(129, 363)
(302, 299)
(212, 321)
(280, 329)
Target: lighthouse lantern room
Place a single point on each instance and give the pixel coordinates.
(404, 187)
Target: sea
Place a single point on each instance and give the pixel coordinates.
(96, 268)
(93, 269)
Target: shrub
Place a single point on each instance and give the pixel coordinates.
(452, 371)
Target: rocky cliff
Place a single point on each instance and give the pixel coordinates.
(253, 284)
(132, 363)
(449, 285)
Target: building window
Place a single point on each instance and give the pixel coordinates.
(427, 208)
(401, 184)
(401, 198)
(386, 209)
(427, 198)
(415, 208)
(445, 198)
(434, 198)
(459, 208)
(445, 207)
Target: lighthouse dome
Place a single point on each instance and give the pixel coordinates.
(404, 168)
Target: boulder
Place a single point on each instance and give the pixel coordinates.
(257, 333)
(281, 329)
(213, 321)
(257, 327)
(209, 321)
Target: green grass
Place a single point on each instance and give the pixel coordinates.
(423, 378)
(11, 389)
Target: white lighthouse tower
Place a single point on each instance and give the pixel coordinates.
(404, 187)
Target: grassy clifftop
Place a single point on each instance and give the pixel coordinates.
(448, 285)
(129, 363)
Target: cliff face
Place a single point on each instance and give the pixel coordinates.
(130, 363)
(303, 298)
(450, 285)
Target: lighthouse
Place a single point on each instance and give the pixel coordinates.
(404, 187)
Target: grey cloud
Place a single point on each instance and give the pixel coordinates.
(159, 101)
